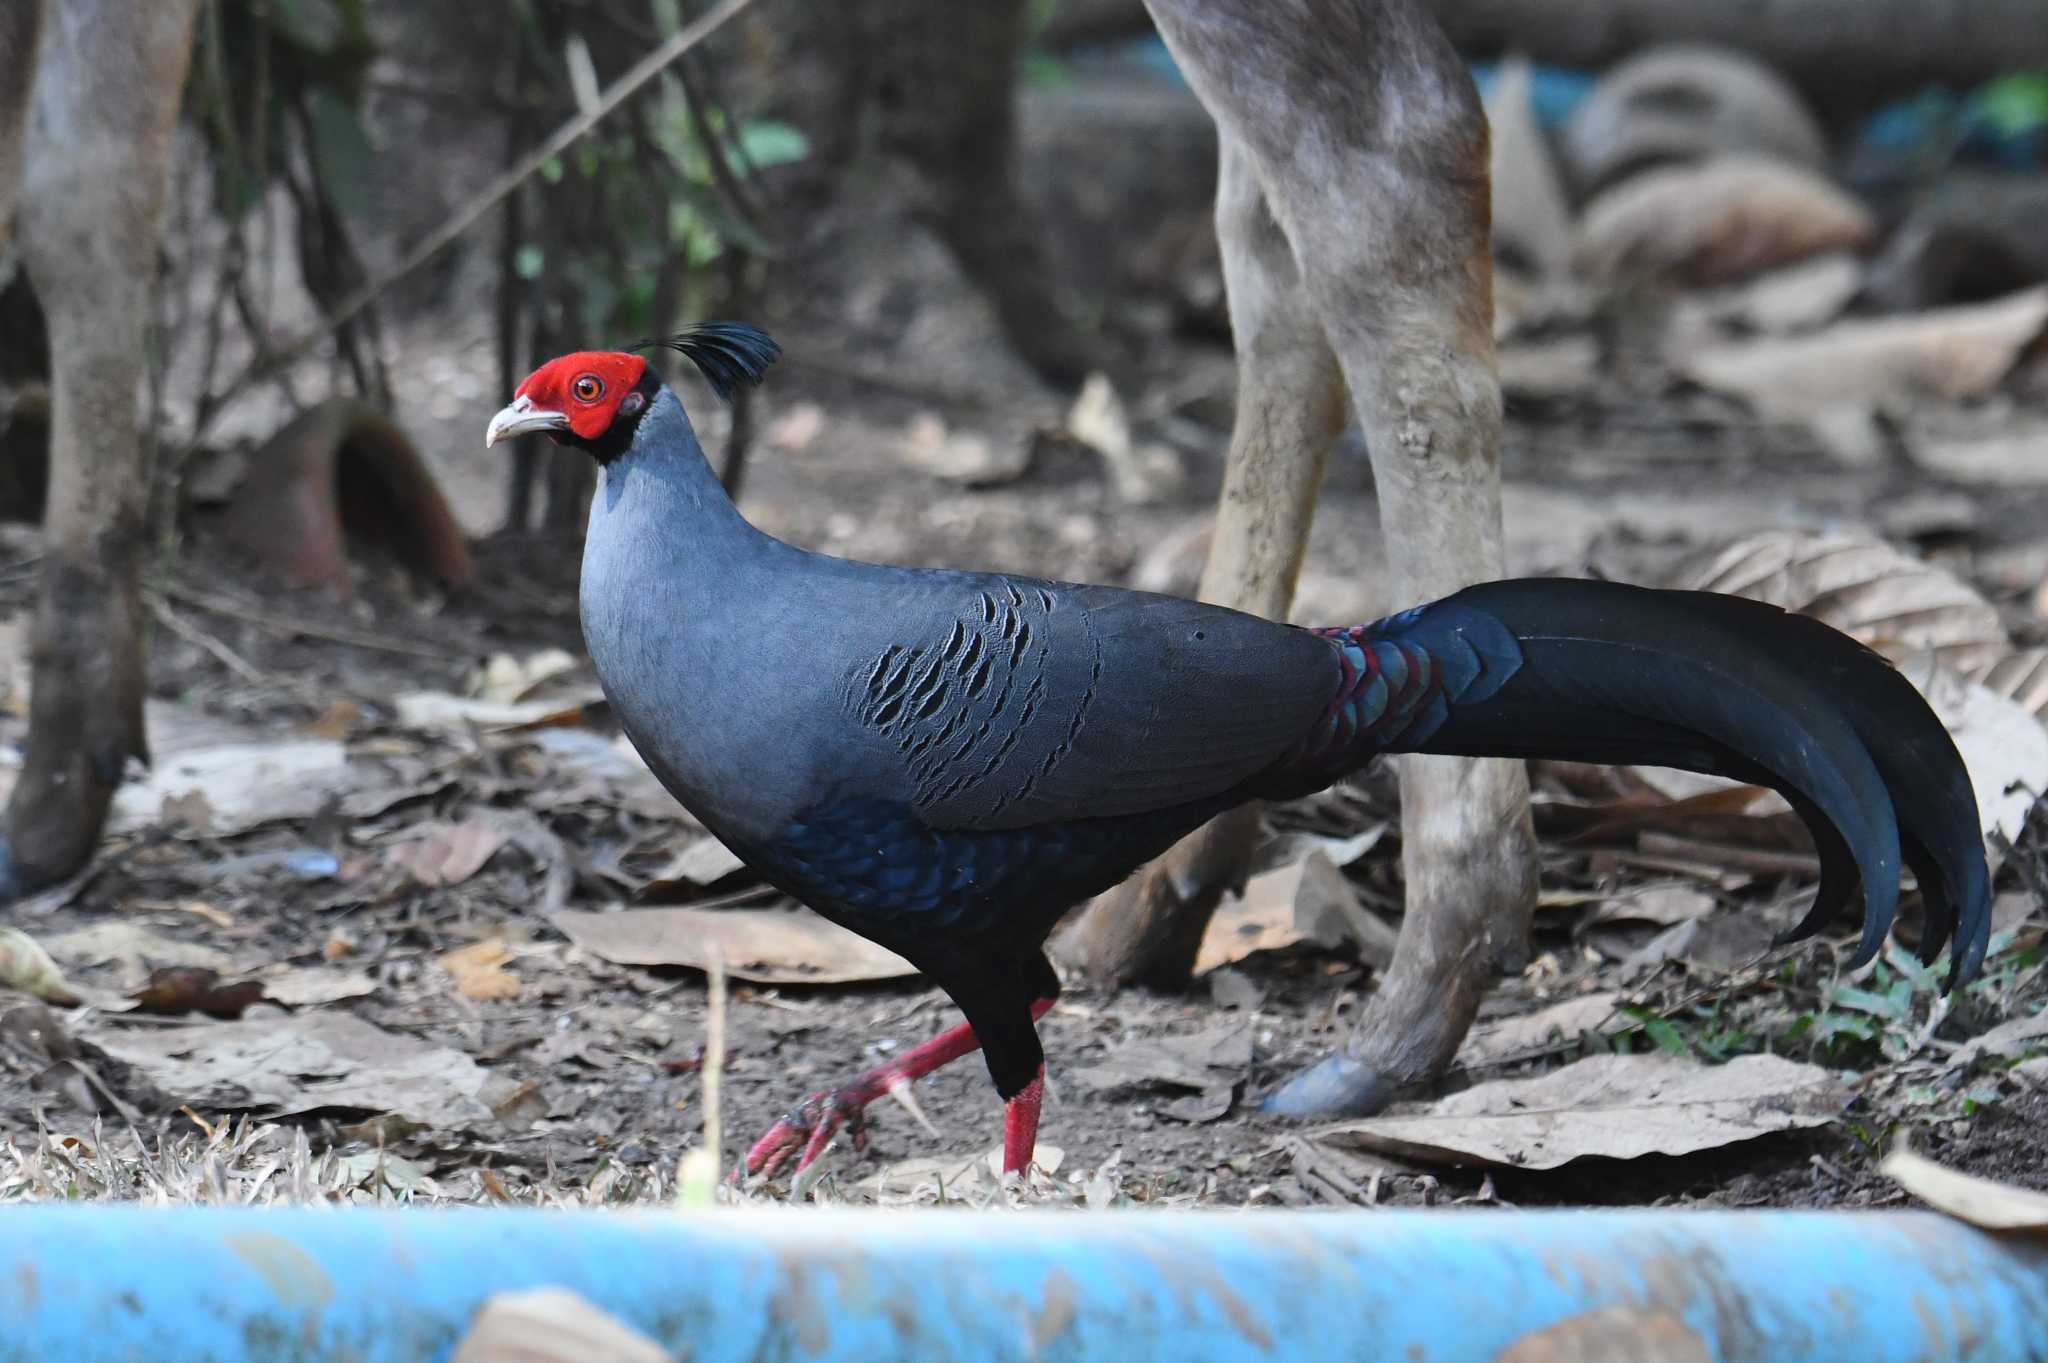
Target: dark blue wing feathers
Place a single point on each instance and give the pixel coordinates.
(1157, 714)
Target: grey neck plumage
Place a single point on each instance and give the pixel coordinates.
(665, 472)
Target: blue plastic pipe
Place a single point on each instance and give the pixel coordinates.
(96, 1284)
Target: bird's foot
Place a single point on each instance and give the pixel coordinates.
(806, 1129)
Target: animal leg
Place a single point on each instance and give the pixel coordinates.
(95, 170)
(1290, 409)
(1367, 137)
(806, 1129)
(1020, 1126)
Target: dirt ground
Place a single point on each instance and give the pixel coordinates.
(593, 1083)
(365, 890)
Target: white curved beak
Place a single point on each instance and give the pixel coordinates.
(522, 418)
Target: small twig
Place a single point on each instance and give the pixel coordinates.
(697, 1169)
(1759, 860)
(714, 1066)
(722, 172)
(106, 1091)
(220, 605)
(192, 634)
(466, 217)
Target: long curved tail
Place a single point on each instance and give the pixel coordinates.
(1602, 672)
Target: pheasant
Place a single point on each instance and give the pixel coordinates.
(947, 762)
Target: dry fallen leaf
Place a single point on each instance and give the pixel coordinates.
(26, 966)
(1532, 221)
(960, 456)
(448, 854)
(1900, 606)
(768, 946)
(551, 1325)
(1261, 919)
(132, 949)
(1796, 298)
(2011, 453)
(982, 1171)
(1863, 364)
(1551, 368)
(1979, 1201)
(1611, 1106)
(589, 768)
(1495, 1042)
(479, 970)
(175, 990)
(704, 862)
(1664, 905)
(1717, 221)
(1142, 473)
(308, 986)
(336, 722)
(1215, 1057)
(507, 679)
(443, 712)
(1305, 900)
(190, 811)
(2009, 1040)
(1888, 599)
(303, 1063)
(1681, 102)
(1988, 694)
(239, 786)
(14, 665)
(2002, 744)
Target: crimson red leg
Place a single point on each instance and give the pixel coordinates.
(809, 1127)
(1020, 1125)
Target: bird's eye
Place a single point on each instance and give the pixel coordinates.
(588, 388)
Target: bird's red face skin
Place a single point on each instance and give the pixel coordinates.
(586, 387)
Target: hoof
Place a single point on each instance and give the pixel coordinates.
(1336, 1086)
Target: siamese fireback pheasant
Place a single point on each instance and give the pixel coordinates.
(946, 762)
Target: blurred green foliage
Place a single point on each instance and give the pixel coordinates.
(271, 75)
(638, 212)
(2015, 105)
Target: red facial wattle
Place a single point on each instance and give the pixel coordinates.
(586, 388)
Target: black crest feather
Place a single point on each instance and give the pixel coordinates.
(726, 353)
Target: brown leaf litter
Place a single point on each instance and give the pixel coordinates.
(1611, 1106)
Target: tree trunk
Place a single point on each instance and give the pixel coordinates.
(943, 76)
(95, 169)
(21, 28)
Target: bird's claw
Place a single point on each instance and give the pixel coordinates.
(808, 1128)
